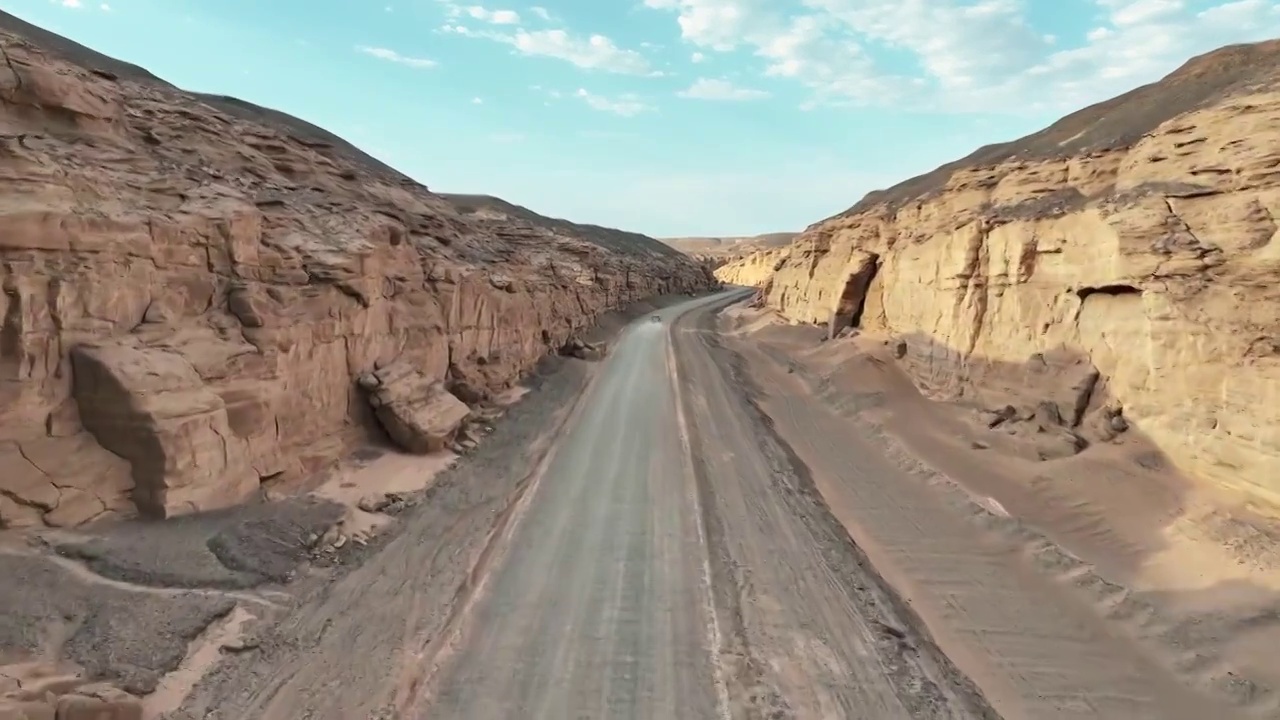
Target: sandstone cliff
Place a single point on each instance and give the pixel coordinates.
(197, 292)
(756, 269)
(1129, 253)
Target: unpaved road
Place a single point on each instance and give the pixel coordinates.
(599, 609)
(649, 553)
(641, 582)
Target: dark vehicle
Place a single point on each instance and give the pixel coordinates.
(656, 318)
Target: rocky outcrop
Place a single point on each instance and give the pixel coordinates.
(755, 269)
(415, 409)
(1134, 241)
(190, 287)
(149, 405)
(583, 350)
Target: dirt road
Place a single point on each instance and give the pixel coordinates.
(598, 609)
(642, 583)
(648, 552)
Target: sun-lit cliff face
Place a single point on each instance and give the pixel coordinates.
(1138, 236)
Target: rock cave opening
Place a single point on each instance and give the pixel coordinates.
(1112, 290)
(853, 298)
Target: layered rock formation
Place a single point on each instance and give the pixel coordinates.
(1132, 245)
(756, 269)
(190, 287)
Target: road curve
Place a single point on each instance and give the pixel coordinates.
(601, 606)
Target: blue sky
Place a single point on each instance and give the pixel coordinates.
(669, 117)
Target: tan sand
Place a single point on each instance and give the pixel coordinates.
(1205, 567)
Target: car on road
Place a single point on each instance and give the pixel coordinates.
(655, 318)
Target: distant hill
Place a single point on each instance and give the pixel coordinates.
(713, 245)
(714, 252)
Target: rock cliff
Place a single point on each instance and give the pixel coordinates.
(756, 269)
(199, 296)
(1130, 251)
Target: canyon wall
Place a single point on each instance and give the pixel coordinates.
(1133, 245)
(757, 269)
(191, 288)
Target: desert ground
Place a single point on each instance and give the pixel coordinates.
(719, 519)
(284, 434)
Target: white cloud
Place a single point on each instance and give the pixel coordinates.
(477, 12)
(104, 7)
(593, 52)
(719, 89)
(395, 57)
(477, 101)
(832, 47)
(497, 17)
(74, 4)
(697, 57)
(540, 12)
(626, 105)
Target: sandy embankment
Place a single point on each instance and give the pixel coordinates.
(1164, 560)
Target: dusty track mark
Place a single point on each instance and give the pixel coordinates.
(714, 637)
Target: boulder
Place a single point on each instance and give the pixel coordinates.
(583, 350)
(417, 412)
(150, 407)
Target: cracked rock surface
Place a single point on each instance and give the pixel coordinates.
(1135, 240)
(191, 286)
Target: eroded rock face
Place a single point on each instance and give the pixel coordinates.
(755, 269)
(1137, 238)
(190, 287)
(149, 406)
